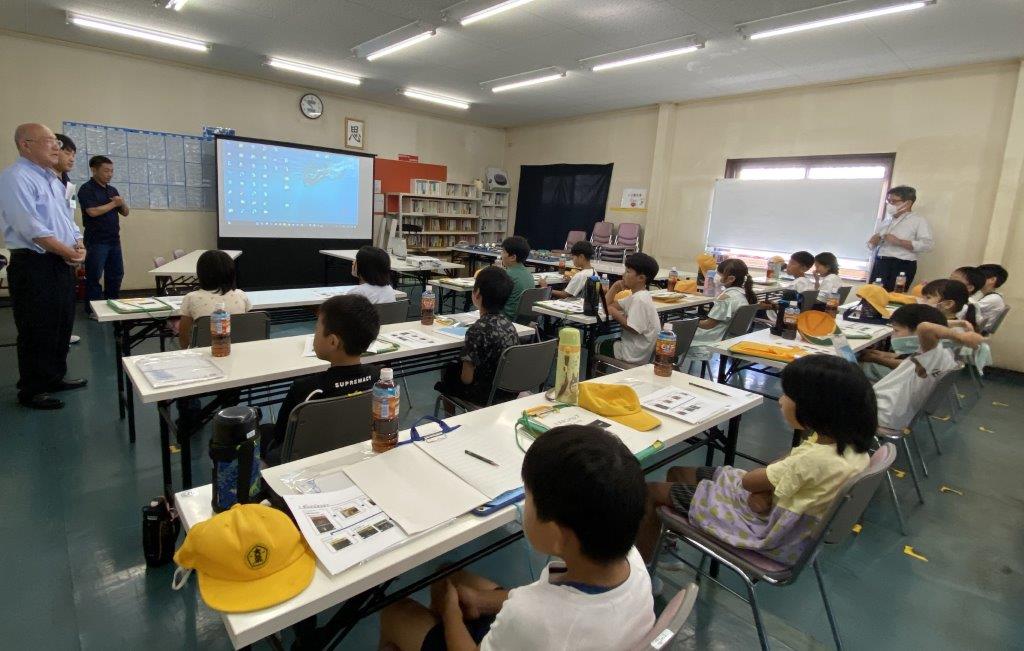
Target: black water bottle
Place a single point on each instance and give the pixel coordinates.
(780, 318)
(591, 295)
(235, 452)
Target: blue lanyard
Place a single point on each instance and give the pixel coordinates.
(415, 436)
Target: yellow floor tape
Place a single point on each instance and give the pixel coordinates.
(982, 428)
(909, 551)
(857, 528)
(900, 474)
(174, 449)
(947, 489)
(999, 404)
(942, 418)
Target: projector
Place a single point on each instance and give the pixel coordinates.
(497, 179)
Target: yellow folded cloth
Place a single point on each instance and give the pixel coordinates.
(768, 351)
(624, 294)
(687, 286)
(902, 299)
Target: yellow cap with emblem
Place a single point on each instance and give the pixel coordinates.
(247, 558)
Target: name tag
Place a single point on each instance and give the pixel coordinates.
(69, 192)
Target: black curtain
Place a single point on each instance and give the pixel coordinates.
(556, 199)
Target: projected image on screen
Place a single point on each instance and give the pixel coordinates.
(270, 190)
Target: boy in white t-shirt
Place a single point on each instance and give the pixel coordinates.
(372, 267)
(799, 264)
(635, 313)
(585, 497)
(582, 253)
(906, 388)
(990, 302)
(215, 271)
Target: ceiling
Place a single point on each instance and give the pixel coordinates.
(547, 33)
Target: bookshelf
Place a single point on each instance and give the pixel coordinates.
(447, 211)
(493, 216)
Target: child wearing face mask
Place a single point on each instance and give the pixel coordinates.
(739, 291)
(902, 392)
(951, 297)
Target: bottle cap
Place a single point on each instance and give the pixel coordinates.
(387, 374)
(667, 328)
(220, 306)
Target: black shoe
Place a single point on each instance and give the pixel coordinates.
(68, 385)
(42, 401)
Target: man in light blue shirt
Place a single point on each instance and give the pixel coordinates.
(39, 228)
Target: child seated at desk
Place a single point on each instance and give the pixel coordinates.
(826, 274)
(582, 253)
(346, 327)
(739, 291)
(514, 252)
(771, 510)
(799, 264)
(635, 313)
(215, 271)
(952, 298)
(471, 377)
(990, 303)
(372, 267)
(972, 278)
(905, 389)
(584, 501)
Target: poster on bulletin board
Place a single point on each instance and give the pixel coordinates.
(635, 198)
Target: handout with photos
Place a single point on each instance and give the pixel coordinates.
(682, 405)
(412, 339)
(567, 306)
(343, 528)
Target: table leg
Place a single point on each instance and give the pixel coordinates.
(186, 460)
(722, 359)
(590, 340)
(730, 440)
(130, 400)
(118, 355)
(163, 414)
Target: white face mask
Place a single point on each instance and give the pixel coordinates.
(891, 209)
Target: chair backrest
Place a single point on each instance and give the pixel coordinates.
(250, 326)
(939, 396)
(856, 493)
(529, 297)
(601, 234)
(573, 237)
(671, 620)
(998, 320)
(396, 312)
(628, 234)
(741, 321)
(844, 293)
(316, 426)
(178, 253)
(685, 330)
(524, 368)
(159, 261)
(808, 298)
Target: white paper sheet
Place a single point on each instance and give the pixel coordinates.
(682, 405)
(414, 489)
(178, 367)
(490, 480)
(412, 339)
(343, 528)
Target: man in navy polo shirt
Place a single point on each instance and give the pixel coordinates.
(102, 206)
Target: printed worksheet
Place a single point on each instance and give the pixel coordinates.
(412, 339)
(681, 405)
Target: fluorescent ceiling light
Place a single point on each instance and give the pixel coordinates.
(645, 58)
(838, 20)
(427, 96)
(315, 71)
(494, 10)
(144, 33)
(175, 4)
(527, 82)
(401, 45)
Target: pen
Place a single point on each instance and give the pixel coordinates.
(481, 458)
(701, 386)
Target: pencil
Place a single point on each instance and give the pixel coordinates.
(481, 458)
(701, 386)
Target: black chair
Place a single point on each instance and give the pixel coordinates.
(317, 426)
(249, 326)
(396, 312)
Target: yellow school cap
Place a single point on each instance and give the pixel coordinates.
(918, 290)
(247, 558)
(618, 402)
(706, 262)
(877, 297)
(686, 286)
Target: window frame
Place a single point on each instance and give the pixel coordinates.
(887, 160)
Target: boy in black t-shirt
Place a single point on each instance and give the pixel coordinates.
(347, 326)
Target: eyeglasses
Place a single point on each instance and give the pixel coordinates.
(49, 141)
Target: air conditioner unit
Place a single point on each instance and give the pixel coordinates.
(497, 179)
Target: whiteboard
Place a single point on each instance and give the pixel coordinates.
(807, 214)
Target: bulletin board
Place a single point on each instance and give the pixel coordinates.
(154, 170)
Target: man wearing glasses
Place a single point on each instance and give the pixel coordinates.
(45, 244)
(899, 238)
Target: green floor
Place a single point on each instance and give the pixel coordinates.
(73, 575)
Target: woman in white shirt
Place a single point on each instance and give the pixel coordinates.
(899, 238)
(373, 269)
(216, 273)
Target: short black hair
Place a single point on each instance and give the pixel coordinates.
(828, 260)
(216, 271)
(66, 144)
(96, 161)
(904, 192)
(373, 265)
(997, 271)
(952, 290)
(833, 397)
(517, 246)
(975, 278)
(803, 257)
(642, 264)
(353, 319)
(911, 316)
(584, 248)
(585, 479)
(495, 286)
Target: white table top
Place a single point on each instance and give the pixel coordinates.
(600, 266)
(270, 360)
(879, 332)
(326, 591)
(267, 299)
(691, 300)
(399, 266)
(466, 284)
(186, 264)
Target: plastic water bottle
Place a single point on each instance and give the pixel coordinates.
(427, 306)
(878, 281)
(673, 278)
(384, 431)
(561, 264)
(220, 332)
(605, 283)
(792, 314)
(831, 301)
(710, 282)
(901, 283)
(665, 351)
